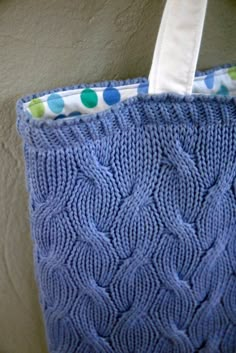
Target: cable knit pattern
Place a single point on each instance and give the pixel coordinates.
(133, 218)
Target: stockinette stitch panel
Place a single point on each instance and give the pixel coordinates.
(133, 223)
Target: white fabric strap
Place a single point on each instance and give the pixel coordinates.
(177, 47)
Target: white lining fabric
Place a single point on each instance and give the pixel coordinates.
(177, 47)
(172, 71)
(68, 103)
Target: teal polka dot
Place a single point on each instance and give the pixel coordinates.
(111, 95)
(89, 98)
(223, 91)
(56, 103)
(36, 108)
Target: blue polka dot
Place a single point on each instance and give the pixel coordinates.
(111, 95)
(28, 114)
(209, 81)
(55, 103)
(143, 88)
(74, 114)
(61, 116)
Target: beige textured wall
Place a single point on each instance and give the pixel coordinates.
(49, 43)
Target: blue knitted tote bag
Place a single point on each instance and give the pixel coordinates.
(132, 200)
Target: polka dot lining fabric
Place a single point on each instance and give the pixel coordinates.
(72, 103)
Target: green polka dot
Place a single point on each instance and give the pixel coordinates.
(37, 108)
(232, 72)
(89, 98)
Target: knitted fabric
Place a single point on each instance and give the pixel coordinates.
(69, 103)
(133, 219)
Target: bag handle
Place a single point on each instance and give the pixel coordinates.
(177, 47)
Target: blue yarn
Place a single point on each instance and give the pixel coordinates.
(133, 218)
